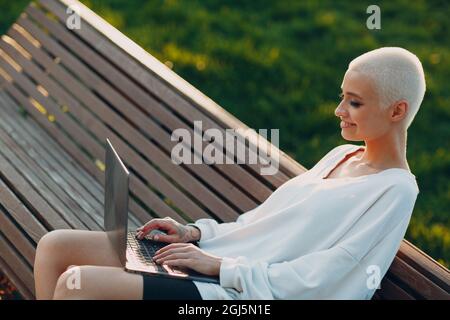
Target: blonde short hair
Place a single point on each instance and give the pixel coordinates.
(397, 74)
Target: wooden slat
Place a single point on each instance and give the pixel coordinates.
(49, 151)
(15, 262)
(145, 101)
(58, 160)
(12, 232)
(34, 181)
(48, 148)
(59, 176)
(425, 264)
(173, 82)
(53, 158)
(124, 62)
(70, 125)
(48, 216)
(418, 282)
(54, 192)
(20, 213)
(15, 280)
(178, 173)
(391, 291)
(48, 188)
(141, 166)
(70, 192)
(69, 146)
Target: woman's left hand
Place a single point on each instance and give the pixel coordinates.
(190, 256)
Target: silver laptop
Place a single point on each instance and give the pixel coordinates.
(134, 254)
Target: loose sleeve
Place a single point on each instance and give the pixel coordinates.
(330, 273)
(210, 228)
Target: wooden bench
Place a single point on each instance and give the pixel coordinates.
(63, 92)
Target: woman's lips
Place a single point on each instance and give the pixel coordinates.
(347, 124)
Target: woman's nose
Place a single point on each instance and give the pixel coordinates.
(340, 111)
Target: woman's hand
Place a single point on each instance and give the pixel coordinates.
(176, 232)
(190, 256)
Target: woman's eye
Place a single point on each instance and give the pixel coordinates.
(355, 104)
(352, 103)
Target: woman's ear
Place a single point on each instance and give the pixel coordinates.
(399, 110)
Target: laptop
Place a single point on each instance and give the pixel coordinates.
(134, 254)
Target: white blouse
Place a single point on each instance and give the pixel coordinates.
(313, 238)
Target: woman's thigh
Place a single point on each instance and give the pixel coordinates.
(111, 283)
(80, 247)
(99, 282)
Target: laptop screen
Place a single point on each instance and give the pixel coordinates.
(116, 201)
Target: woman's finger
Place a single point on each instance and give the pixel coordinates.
(171, 251)
(173, 256)
(173, 246)
(190, 263)
(151, 225)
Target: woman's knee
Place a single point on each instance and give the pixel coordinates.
(68, 285)
(52, 241)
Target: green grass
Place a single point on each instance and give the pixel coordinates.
(279, 64)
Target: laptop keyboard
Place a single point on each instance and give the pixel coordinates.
(144, 250)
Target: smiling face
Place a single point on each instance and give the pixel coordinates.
(360, 107)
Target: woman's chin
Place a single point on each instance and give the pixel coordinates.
(349, 137)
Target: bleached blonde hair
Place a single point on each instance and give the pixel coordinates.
(397, 74)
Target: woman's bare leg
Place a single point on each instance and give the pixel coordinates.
(59, 249)
(95, 282)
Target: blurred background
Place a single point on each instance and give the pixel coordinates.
(280, 64)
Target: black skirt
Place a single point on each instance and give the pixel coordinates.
(163, 288)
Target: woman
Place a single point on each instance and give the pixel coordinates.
(330, 233)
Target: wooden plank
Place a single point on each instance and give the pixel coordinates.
(31, 197)
(59, 192)
(123, 61)
(55, 195)
(145, 146)
(175, 171)
(15, 280)
(68, 144)
(418, 282)
(20, 213)
(59, 175)
(11, 231)
(21, 269)
(49, 147)
(56, 158)
(425, 264)
(69, 124)
(34, 181)
(45, 213)
(167, 76)
(169, 120)
(33, 135)
(391, 291)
